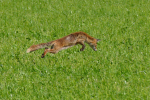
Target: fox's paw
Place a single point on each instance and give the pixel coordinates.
(81, 49)
(42, 55)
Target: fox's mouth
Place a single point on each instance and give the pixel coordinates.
(95, 49)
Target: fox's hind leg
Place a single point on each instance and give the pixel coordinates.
(51, 50)
(47, 51)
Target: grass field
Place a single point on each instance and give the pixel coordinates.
(118, 70)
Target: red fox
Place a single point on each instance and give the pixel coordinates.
(66, 42)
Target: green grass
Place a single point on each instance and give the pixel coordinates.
(119, 69)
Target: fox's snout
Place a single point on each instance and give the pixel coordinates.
(94, 48)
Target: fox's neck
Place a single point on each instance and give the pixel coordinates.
(89, 39)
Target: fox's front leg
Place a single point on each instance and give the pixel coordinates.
(83, 45)
(48, 50)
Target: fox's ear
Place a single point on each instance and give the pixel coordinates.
(98, 40)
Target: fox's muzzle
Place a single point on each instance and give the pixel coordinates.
(95, 49)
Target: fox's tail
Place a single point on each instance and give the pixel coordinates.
(38, 46)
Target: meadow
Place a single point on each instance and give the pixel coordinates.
(118, 70)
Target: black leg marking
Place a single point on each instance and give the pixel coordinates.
(46, 47)
(42, 55)
(52, 46)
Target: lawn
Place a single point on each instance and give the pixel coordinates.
(118, 70)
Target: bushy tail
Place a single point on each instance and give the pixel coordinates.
(38, 46)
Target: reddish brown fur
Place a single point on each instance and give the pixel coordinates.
(66, 42)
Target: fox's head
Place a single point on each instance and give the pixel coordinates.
(93, 44)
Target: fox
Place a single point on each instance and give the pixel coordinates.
(66, 42)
